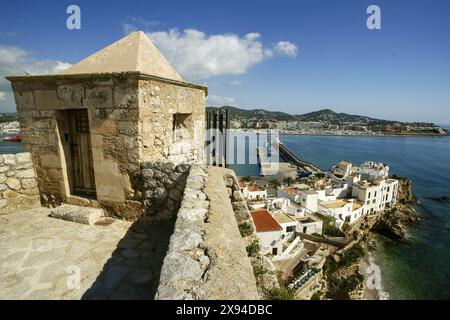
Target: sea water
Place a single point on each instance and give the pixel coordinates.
(419, 269)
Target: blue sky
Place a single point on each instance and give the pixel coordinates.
(293, 56)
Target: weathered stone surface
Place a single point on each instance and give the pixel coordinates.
(28, 183)
(77, 214)
(38, 252)
(132, 118)
(239, 205)
(9, 159)
(230, 274)
(23, 157)
(13, 184)
(29, 173)
(2, 177)
(180, 267)
(185, 239)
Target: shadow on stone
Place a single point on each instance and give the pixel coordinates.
(133, 271)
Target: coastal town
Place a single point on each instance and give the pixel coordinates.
(327, 122)
(303, 221)
(149, 211)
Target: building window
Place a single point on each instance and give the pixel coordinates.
(181, 124)
(290, 229)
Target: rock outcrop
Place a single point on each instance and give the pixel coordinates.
(392, 223)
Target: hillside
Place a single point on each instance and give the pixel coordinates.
(325, 115)
(261, 114)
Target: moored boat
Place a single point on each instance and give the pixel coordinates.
(13, 138)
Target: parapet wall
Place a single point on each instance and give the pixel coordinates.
(207, 258)
(163, 184)
(18, 186)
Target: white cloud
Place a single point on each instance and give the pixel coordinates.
(2, 96)
(286, 48)
(132, 24)
(196, 55)
(218, 101)
(17, 61)
(235, 83)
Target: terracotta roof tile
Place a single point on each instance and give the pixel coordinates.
(264, 221)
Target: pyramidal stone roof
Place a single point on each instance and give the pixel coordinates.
(135, 52)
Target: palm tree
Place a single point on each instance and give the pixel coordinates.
(288, 181)
(274, 183)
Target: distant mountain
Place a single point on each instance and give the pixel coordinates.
(325, 115)
(7, 117)
(260, 114)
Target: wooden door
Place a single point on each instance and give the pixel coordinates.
(83, 182)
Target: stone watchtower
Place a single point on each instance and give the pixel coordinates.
(90, 127)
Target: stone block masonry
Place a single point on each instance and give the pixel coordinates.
(206, 257)
(18, 185)
(265, 273)
(163, 184)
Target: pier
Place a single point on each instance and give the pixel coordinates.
(296, 161)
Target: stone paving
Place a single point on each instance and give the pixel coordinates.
(43, 258)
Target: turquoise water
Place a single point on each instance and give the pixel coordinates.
(9, 147)
(419, 269)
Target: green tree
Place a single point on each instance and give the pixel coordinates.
(288, 181)
(281, 293)
(274, 183)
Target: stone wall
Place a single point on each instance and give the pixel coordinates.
(264, 270)
(165, 107)
(18, 186)
(186, 261)
(131, 120)
(206, 257)
(163, 184)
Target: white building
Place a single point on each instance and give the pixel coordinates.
(307, 198)
(269, 231)
(342, 169)
(347, 210)
(287, 223)
(373, 170)
(309, 224)
(253, 192)
(376, 195)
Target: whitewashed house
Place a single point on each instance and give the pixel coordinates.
(306, 198)
(347, 210)
(253, 192)
(269, 231)
(342, 169)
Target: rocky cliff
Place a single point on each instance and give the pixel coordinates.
(392, 223)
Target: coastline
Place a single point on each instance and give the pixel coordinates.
(394, 223)
(370, 246)
(430, 135)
